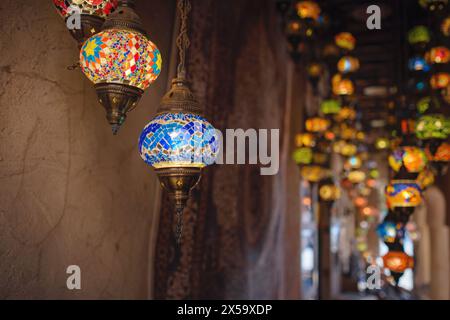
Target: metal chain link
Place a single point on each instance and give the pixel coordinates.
(183, 42)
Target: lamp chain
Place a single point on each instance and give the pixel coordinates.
(183, 42)
(179, 228)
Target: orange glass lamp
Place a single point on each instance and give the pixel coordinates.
(438, 55)
(346, 114)
(360, 202)
(317, 125)
(348, 64)
(445, 27)
(308, 10)
(440, 81)
(342, 86)
(412, 159)
(442, 153)
(345, 41)
(398, 262)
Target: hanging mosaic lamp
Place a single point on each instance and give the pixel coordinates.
(92, 15)
(426, 179)
(388, 231)
(329, 191)
(356, 176)
(440, 80)
(303, 156)
(317, 125)
(382, 143)
(419, 37)
(179, 142)
(348, 64)
(418, 64)
(342, 86)
(314, 173)
(330, 107)
(305, 140)
(440, 153)
(397, 261)
(122, 62)
(445, 27)
(428, 103)
(308, 10)
(410, 159)
(438, 55)
(403, 194)
(346, 41)
(433, 126)
(346, 114)
(434, 5)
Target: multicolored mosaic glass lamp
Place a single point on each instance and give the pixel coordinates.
(92, 15)
(388, 231)
(426, 179)
(342, 86)
(408, 160)
(122, 62)
(179, 142)
(402, 196)
(445, 26)
(329, 191)
(418, 64)
(303, 156)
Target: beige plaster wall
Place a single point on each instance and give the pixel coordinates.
(70, 192)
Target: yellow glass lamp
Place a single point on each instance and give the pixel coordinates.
(305, 140)
(345, 41)
(382, 144)
(330, 192)
(314, 173)
(356, 176)
(349, 149)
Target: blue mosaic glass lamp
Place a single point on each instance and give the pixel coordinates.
(178, 143)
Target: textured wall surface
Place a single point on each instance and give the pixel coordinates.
(70, 192)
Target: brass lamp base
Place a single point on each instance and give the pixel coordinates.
(90, 25)
(118, 100)
(178, 182)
